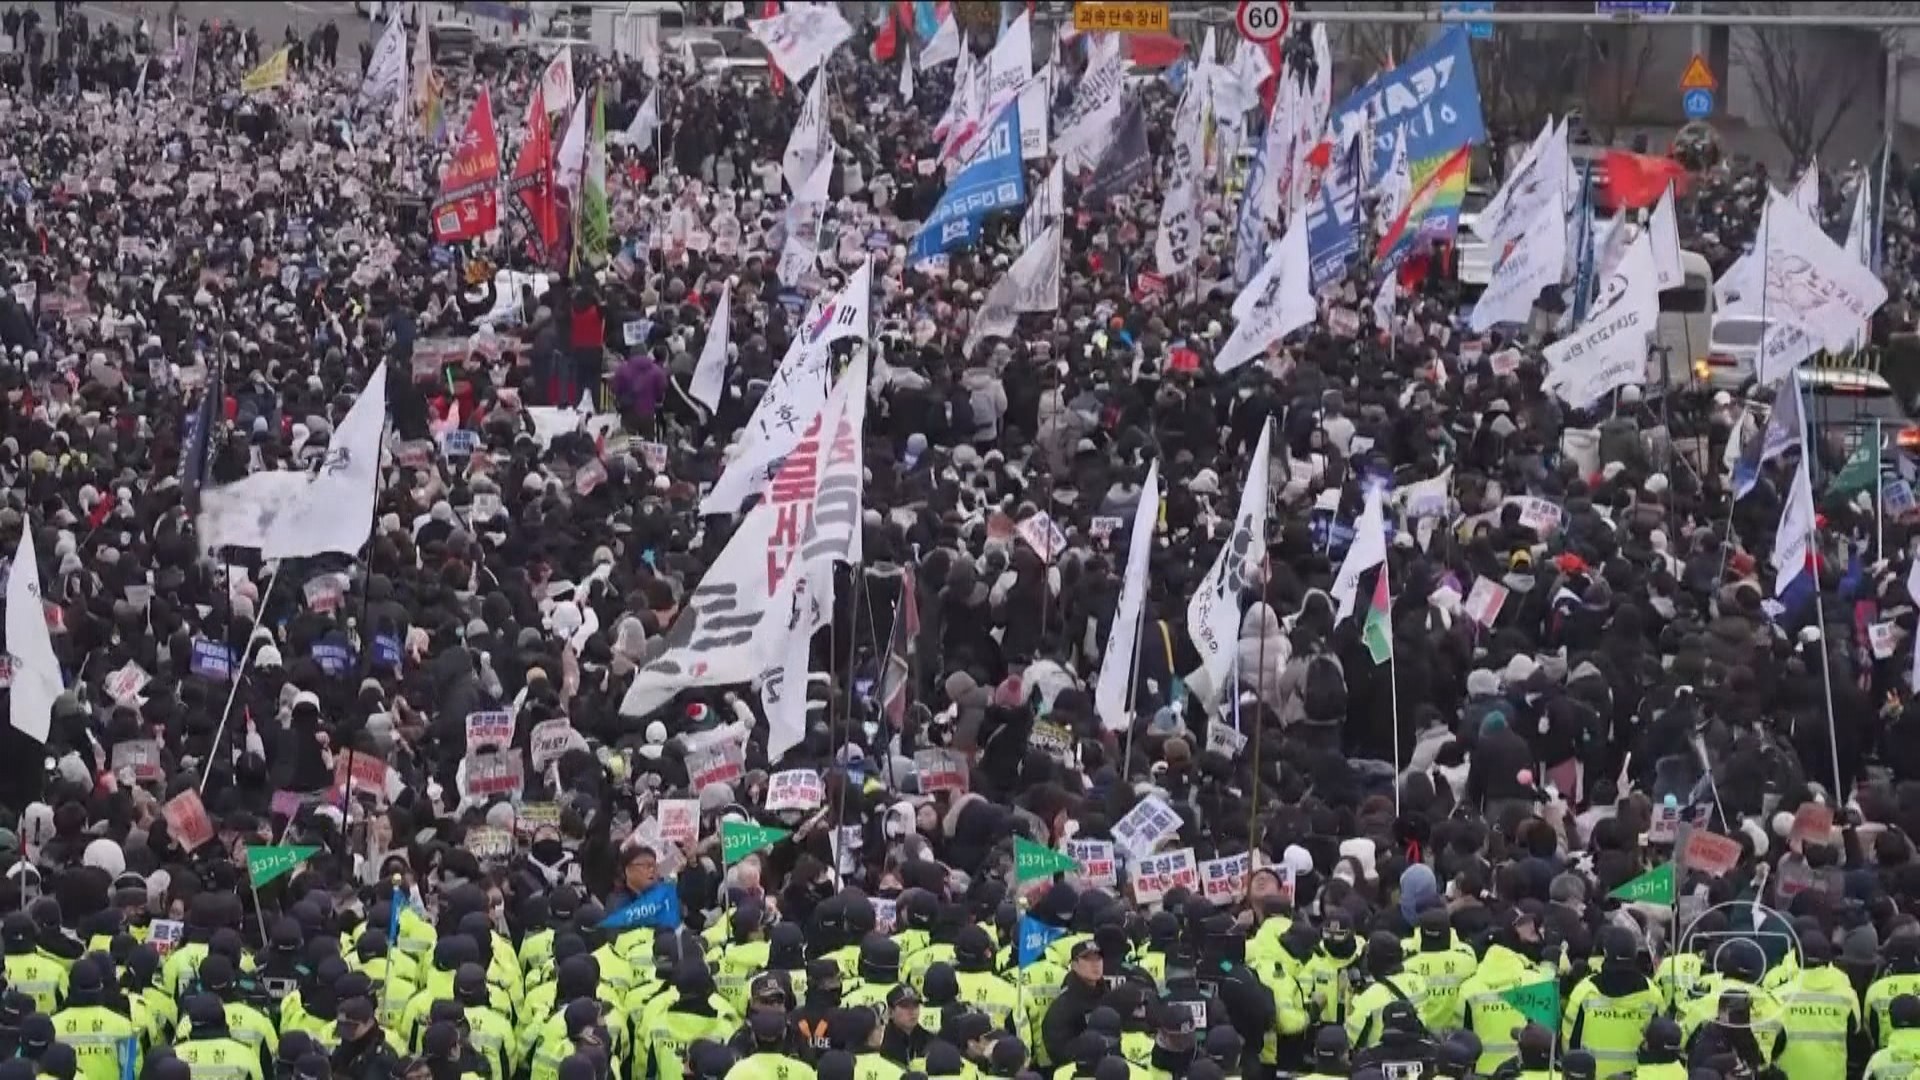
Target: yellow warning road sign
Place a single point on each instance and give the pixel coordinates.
(1698, 76)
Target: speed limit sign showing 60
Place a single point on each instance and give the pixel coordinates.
(1262, 21)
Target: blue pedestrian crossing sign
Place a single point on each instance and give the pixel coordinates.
(1698, 104)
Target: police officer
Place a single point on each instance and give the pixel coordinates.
(1819, 1011)
(1661, 1056)
(1902, 976)
(1729, 1042)
(878, 972)
(979, 985)
(1174, 1046)
(137, 982)
(245, 1021)
(1608, 1012)
(1067, 1015)
(1327, 980)
(1459, 1056)
(396, 976)
(902, 1039)
(1443, 962)
(1579, 1065)
(1740, 964)
(39, 977)
(580, 1027)
(812, 1021)
(1328, 1059)
(1405, 1048)
(746, 952)
(102, 1039)
(1390, 984)
(283, 965)
(1901, 1055)
(1533, 1054)
(857, 1032)
(489, 1032)
(691, 1011)
(770, 1059)
(1512, 960)
(361, 1050)
(209, 1049)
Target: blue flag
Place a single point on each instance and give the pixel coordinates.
(1331, 241)
(393, 917)
(1035, 936)
(993, 180)
(1782, 433)
(658, 907)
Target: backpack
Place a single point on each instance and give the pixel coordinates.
(1323, 693)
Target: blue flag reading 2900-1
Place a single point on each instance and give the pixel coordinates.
(993, 180)
(658, 907)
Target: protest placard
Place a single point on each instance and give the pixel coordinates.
(1157, 875)
(1097, 863)
(126, 683)
(795, 789)
(489, 730)
(187, 821)
(141, 757)
(494, 773)
(490, 842)
(550, 739)
(1222, 739)
(165, 935)
(325, 593)
(211, 660)
(1143, 828)
(1485, 601)
(1224, 881)
(361, 772)
(941, 770)
(1813, 824)
(1711, 853)
(680, 820)
(722, 764)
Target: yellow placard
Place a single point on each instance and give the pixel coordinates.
(1121, 18)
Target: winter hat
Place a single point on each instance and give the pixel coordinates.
(104, 854)
(1482, 683)
(1361, 850)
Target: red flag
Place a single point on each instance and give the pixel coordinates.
(532, 178)
(887, 42)
(98, 515)
(895, 678)
(1637, 180)
(467, 206)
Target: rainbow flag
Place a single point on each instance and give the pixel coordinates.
(1432, 212)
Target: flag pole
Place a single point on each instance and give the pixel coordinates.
(1393, 688)
(239, 672)
(1133, 683)
(1807, 449)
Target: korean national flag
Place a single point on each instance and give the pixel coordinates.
(992, 181)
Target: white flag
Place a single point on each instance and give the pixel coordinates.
(1111, 699)
(944, 46)
(800, 38)
(1790, 542)
(1806, 191)
(710, 374)
(36, 672)
(646, 121)
(1395, 186)
(556, 82)
(1860, 224)
(783, 688)
(801, 251)
(1532, 264)
(961, 106)
(1913, 590)
(1048, 205)
(1086, 129)
(1609, 350)
(1178, 241)
(1032, 283)
(797, 390)
(1817, 296)
(1386, 302)
(1280, 300)
(809, 139)
(1213, 615)
(386, 77)
(832, 535)
(906, 76)
(335, 512)
(1664, 230)
(1010, 64)
(1519, 179)
(572, 158)
(1368, 550)
(1036, 102)
(726, 628)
